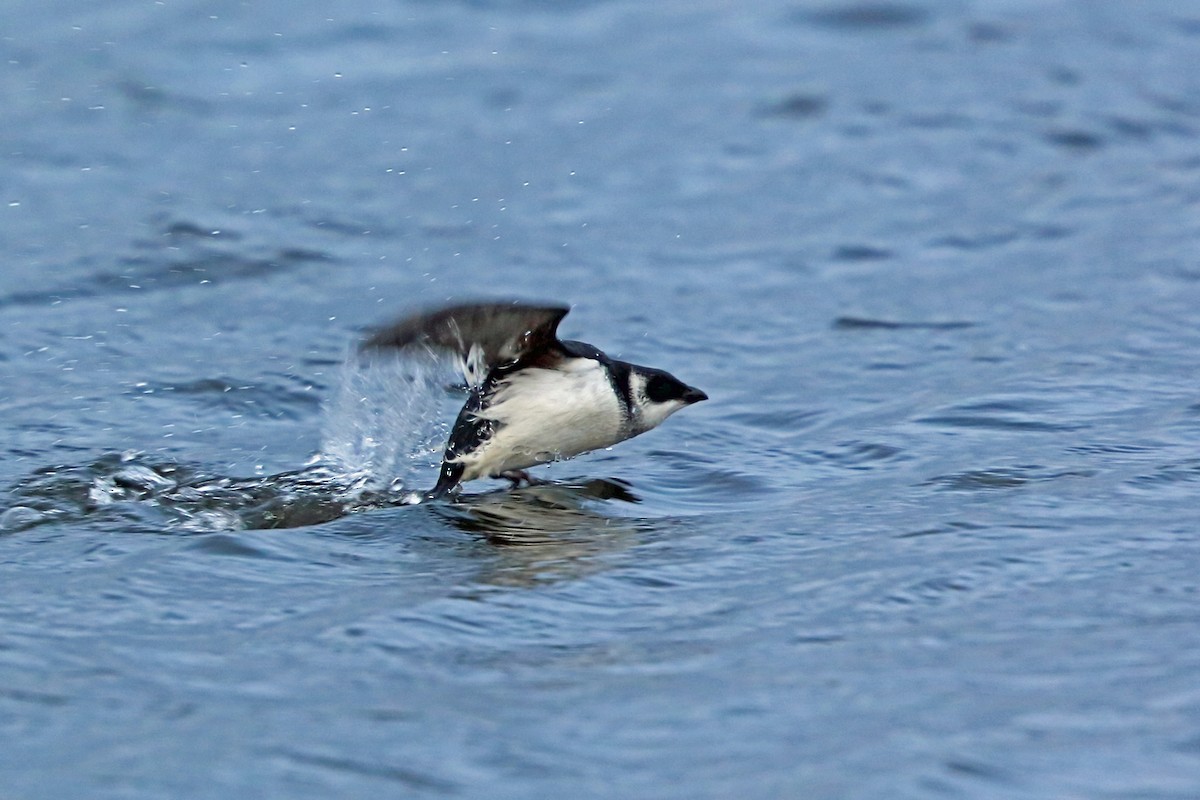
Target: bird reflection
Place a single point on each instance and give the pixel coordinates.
(546, 532)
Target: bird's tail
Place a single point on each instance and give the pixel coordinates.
(447, 480)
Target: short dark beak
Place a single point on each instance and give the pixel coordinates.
(693, 395)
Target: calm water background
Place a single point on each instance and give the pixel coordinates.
(935, 534)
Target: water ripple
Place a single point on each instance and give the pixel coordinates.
(848, 323)
(1185, 471)
(1000, 478)
(287, 397)
(184, 255)
(865, 17)
(223, 544)
(796, 106)
(405, 776)
(859, 455)
(1013, 414)
(853, 253)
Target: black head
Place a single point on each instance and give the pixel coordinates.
(655, 395)
(662, 387)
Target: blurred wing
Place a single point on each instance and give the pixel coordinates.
(482, 336)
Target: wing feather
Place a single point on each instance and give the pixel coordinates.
(483, 336)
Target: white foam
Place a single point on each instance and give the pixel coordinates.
(388, 419)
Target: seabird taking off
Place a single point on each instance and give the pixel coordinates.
(533, 397)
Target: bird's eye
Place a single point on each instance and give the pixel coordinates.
(661, 388)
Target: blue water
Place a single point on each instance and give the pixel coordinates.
(936, 534)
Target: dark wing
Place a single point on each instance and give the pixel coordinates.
(498, 334)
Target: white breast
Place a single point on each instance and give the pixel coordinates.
(546, 415)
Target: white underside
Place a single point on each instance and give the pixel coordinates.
(546, 415)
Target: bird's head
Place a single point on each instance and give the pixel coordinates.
(656, 395)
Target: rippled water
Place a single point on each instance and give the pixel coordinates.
(935, 534)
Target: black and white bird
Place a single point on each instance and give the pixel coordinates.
(533, 397)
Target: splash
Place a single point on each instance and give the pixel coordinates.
(388, 420)
(384, 430)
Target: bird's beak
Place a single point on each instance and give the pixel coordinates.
(693, 395)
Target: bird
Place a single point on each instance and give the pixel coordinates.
(533, 398)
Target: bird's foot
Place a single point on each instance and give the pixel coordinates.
(519, 476)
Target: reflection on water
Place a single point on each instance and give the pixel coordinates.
(537, 514)
(545, 532)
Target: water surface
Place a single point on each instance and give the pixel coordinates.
(935, 534)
